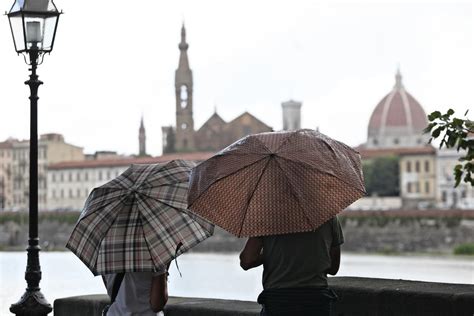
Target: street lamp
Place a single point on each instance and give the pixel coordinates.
(33, 24)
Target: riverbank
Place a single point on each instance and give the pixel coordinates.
(386, 232)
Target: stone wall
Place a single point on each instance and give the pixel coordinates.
(365, 231)
(357, 296)
(407, 231)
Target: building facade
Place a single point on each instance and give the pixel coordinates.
(448, 196)
(51, 149)
(418, 186)
(215, 133)
(6, 187)
(71, 182)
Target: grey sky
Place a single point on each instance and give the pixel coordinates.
(114, 60)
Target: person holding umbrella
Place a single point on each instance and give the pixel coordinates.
(131, 228)
(295, 268)
(283, 191)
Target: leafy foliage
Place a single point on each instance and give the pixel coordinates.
(454, 133)
(381, 176)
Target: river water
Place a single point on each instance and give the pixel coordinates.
(216, 275)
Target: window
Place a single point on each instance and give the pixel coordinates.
(375, 141)
(70, 176)
(408, 166)
(463, 194)
(396, 141)
(409, 187)
(417, 187)
(86, 192)
(100, 175)
(78, 193)
(62, 177)
(62, 193)
(70, 193)
(54, 194)
(427, 187)
(86, 176)
(417, 166)
(427, 166)
(78, 176)
(184, 96)
(108, 174)
(444, 196)
(53, 177)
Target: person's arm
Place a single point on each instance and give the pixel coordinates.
(252, 256)
(335, 254)
(159, 292)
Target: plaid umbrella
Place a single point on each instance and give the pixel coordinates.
(138, 221)
(276, 183)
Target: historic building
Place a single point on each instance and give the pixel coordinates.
(425, 173)
(51, 149)
(418, 178)
(6, 190)
(142, 139)
(398, 120)
(70, 182)
(449, 196)
(291, 115)
(215, 133)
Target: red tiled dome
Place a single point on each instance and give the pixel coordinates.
(398, 109)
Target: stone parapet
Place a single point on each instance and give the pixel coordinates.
(357, 296)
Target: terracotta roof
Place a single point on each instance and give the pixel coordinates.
(196, 156)
(6, 145)
(398, 109)
(402, 151)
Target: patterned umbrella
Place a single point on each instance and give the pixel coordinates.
(138, 221)
(276, 183)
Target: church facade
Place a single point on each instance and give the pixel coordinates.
(215, 134)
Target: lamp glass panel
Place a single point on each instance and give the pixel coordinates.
(49, 31)
(39, 24)
(16, 24)
(17, 6)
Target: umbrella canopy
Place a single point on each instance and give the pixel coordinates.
(138, 221)
(276, 183)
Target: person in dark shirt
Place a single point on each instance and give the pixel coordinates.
(295, 268)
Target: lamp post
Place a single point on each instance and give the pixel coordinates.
(33, 25)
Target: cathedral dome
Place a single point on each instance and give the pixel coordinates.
(398, 120)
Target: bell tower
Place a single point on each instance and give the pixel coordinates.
(184, 99)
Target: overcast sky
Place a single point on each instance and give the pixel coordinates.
(115, 60)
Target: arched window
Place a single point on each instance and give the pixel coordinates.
(183, 96)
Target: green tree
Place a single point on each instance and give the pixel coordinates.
(455, 133)
(381, 176)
